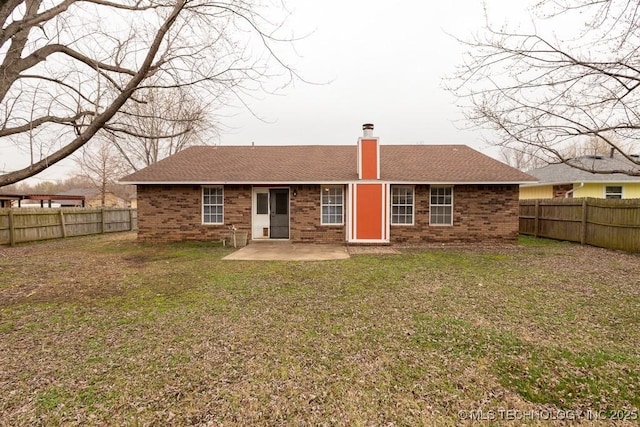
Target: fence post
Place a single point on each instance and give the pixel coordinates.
(130, 219)
(583, 229)
(62, 224)
(536, 218)
(103, 219)
(12, 229)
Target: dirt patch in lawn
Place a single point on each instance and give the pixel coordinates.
(59, 270)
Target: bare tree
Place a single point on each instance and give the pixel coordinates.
(595, 146)
(68, 67)
(163, 123)
(527, 157)
(100, 164)
(541, 92)
(523, 158)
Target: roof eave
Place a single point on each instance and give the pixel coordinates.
(578, 181)
(325, 181)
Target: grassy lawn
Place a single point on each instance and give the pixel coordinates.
(103, 330)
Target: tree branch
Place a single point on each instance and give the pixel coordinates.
(42, 120)
(101, 119)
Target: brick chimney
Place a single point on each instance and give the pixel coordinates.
(368, 154)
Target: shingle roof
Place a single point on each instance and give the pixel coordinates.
(563, 173)
(86, 192)
(326, 163)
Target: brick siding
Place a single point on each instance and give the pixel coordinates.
(480, 213)
(174, 212)
(305, 218)
(561, 190)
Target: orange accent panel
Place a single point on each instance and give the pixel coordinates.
(369, 211)
(352, 191)
(369, 155)
(385, 203)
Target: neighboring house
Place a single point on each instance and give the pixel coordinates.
(36, 200)
(562, 180)
(93, 198)
(364, 193)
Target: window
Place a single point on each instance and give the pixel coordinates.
(613, 192)
(332, 205)
(402, 205)
(262, 201)
(212, 205)
(441, 206)
(282, 202)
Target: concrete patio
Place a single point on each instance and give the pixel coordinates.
(287, 251)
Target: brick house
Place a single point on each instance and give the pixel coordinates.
(361, 193)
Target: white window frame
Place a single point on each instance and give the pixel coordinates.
(607, 193)
(221, 188)
(431, 205)
(323, 204)
(412, 204)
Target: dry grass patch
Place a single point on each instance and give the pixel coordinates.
(105, 330)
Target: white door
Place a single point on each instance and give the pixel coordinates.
(260, 213)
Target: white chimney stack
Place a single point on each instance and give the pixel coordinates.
(367, 130)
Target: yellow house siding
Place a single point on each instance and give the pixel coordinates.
(630, 190)
(538, 192)
(591, 190)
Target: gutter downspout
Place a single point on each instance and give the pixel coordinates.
(570, 192)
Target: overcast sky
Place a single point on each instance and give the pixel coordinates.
(384, 63)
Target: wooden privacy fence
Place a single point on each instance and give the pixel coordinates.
(28, 225)
(607, 223)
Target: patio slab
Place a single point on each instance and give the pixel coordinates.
(287, 251)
